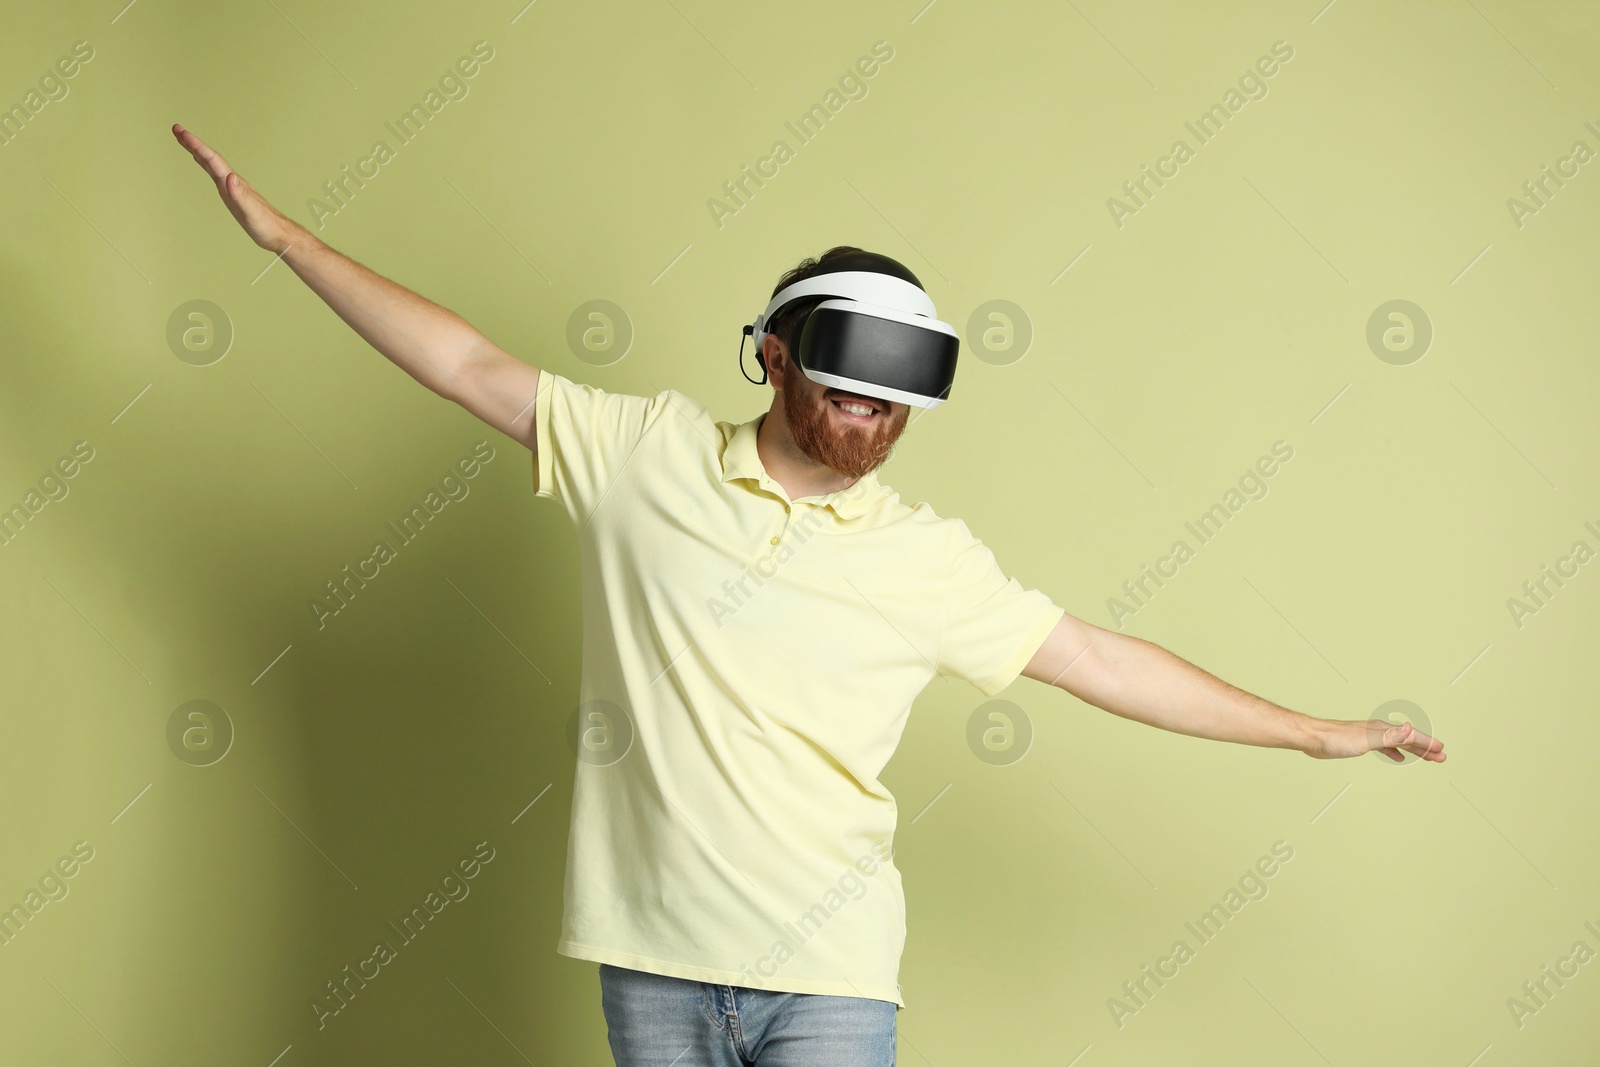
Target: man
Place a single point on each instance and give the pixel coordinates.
(759, 613)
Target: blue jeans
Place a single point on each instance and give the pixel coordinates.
(653, 1020)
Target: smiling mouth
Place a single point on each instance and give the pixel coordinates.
(856, 408)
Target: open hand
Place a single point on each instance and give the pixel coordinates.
(1340, 739)
(266, 226)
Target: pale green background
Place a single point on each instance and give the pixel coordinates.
(1224, 316)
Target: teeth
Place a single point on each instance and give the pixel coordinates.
(854, 408)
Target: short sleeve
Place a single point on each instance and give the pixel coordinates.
(992, 626)
(585, 437)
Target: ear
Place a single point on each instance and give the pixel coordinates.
(776, 358)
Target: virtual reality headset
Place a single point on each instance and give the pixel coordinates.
(875, 334)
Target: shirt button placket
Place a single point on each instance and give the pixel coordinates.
(792, 518)
(788, 520)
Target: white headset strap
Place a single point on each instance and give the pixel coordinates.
(885, 290)
(878, 311)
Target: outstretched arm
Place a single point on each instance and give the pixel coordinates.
(1138, 680)
(431, 343)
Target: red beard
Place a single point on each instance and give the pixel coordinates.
(853, 451)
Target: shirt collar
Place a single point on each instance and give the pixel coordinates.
(740, 459)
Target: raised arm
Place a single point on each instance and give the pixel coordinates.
(431, 343)
(1138, 680)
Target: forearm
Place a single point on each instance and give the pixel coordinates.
(425, 340)
(1146, 683)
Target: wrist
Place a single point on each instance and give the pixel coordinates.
(291, 235)
(1312, 734)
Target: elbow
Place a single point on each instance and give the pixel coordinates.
(1091, 672)
(1102, 673)
(456, 369)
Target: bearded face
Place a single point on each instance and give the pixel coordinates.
(846, 432)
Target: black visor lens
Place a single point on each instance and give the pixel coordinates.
(881, 352)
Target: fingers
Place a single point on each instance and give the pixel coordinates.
(204, 154)
(1420, 744)
(264, 223)
(1407, 737)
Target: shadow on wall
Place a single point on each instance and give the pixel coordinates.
(360, 763)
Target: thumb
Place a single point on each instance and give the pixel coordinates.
(1397, 735)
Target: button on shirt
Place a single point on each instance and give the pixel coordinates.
(748, 665)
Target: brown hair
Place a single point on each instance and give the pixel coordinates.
(785, 324)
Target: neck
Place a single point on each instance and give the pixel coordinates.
(786, 464)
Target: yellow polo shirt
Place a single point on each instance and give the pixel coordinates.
(748, 665)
